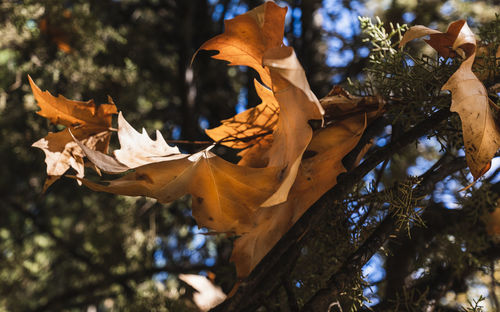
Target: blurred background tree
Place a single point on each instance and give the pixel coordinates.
(74, 250)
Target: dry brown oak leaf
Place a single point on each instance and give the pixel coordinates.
(225, 195)
(255, 39)
(88, 122)
(298, 105)
(469, 97)
(316, 175)
(246, 37)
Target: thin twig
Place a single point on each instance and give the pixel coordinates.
(189, 142)
(372, 204)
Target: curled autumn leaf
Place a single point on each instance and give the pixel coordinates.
(255, 39)
(316, 175)
(298, 105)
(469, 96)
(225, 195)
(89, 123)
(248, 36)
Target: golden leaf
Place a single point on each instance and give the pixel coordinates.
(85, 120)
(315, 176)
(225, 195)
(60, 110)
(298, 105)
(248, 36)
(469, 96)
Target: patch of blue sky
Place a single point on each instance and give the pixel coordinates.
(339, 59)
(297, 13)
(433, 25)
(381, 142)
(288, 16)
(241, 8)
(447, 8)
(209, 261)
(172, 242)
(235, 8)
(31, 24)
(371, 294)
(419, 273)
(471, 21)
(217, 13)
(421, 166)
(373, 270)
(379, 166)
(447, 199)
(199, 238)
(369, 177)
(297, 24)
(176, 132)
(356, 216)
(203, 122)
(409, 62)
(196, 257)
(242, 100)
(363, 51)
(159, 258)
(346, 23)
(297, 29)
(336, 79)
(187, 212)
(477, 289)
(160, 277)
(408, 17)
(357, 6)
(335, 44)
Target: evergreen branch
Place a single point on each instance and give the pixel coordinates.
(389, 228)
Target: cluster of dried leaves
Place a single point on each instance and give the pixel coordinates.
(285, 166)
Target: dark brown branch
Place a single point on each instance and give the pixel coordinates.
(189, 142)
(292, 301)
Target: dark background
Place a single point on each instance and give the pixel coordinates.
(75, 250)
